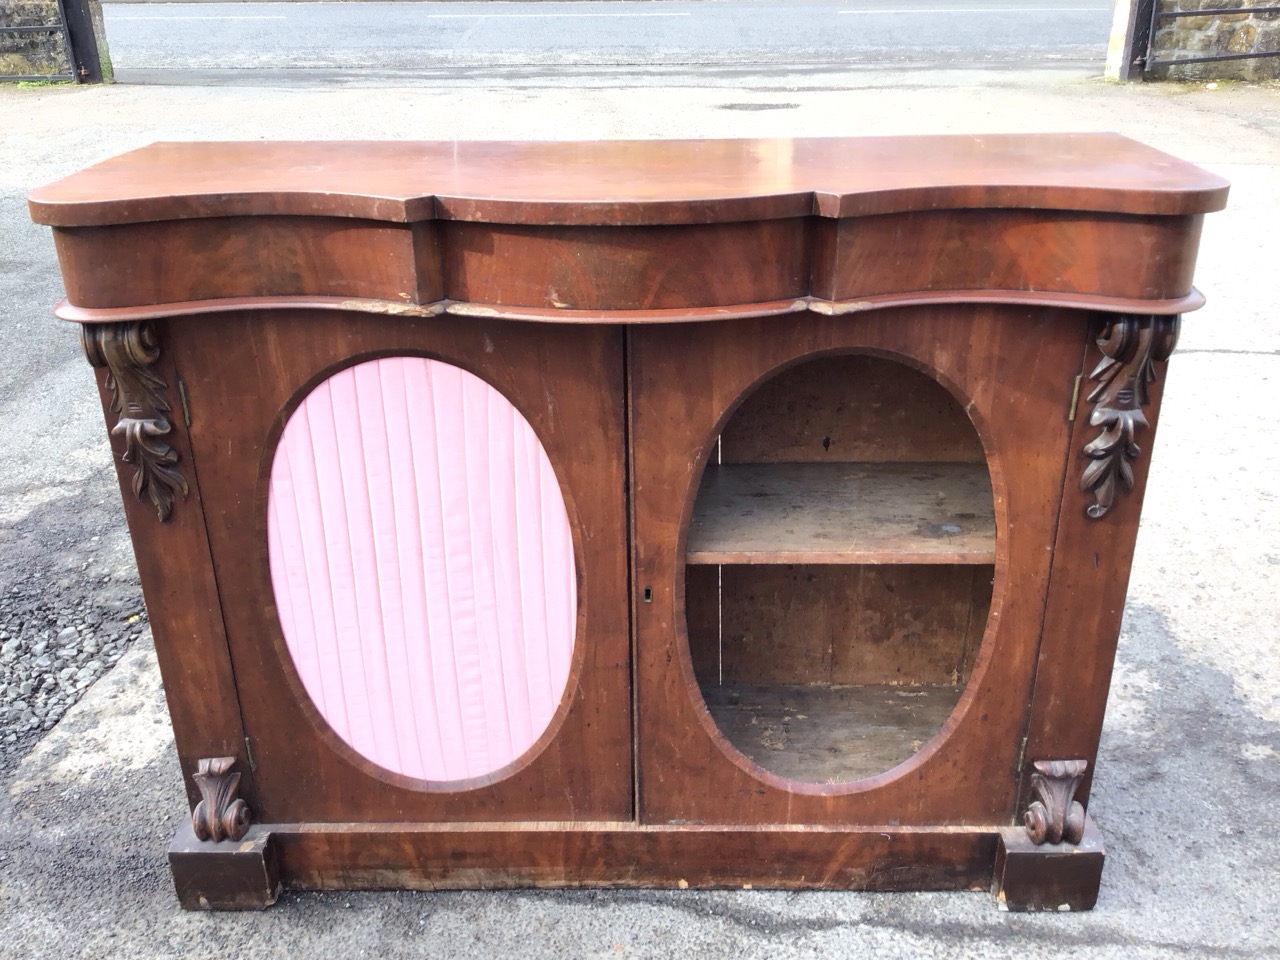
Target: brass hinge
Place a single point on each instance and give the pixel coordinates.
(186, 408)
(1022, 755)
(1075, 398)
(253, 764)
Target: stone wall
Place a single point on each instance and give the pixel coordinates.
(1217, 32)
(40, 54)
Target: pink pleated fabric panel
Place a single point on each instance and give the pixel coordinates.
(423, 569)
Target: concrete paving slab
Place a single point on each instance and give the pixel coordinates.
(1187, 791)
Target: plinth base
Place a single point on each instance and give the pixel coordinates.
(1051, 876)
(230, 875)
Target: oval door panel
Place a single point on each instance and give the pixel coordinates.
(423, 567)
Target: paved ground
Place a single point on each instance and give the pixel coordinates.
(611, 38)
(1188, 783)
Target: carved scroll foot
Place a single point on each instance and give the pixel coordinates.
(220, 814)
(1055, 815)
(129, 351)
(1131, 346)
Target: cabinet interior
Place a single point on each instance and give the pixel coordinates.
(839, 568)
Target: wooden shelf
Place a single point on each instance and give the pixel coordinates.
(843, 513)
(823, 734)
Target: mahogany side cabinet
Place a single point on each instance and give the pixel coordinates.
(673, 513)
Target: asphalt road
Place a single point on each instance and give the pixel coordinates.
(1187, 783)
(569, 43)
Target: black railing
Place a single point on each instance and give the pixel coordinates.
(1157, 14)
(59, 28)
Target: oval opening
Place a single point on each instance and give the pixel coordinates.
(423, 568)
(839, 568)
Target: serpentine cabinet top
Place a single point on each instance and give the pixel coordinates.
(741, 204)
(629, 182)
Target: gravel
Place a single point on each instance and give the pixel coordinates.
(51, 650)
(69, 598)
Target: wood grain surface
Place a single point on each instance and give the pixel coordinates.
(1092, 560)
(184, 605)
(582, 854)
(1048, 251)
(688, 771)
(629, 182)
(836, 623)
(568, 232)
(245, 379)
(843, 513)
(827, 734)
(846, 409)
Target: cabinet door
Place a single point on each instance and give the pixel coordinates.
(843, 534)
(418, 530)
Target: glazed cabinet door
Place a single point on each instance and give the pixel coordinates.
(843, 536)
(431, 514)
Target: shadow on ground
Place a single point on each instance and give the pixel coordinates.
(1184, 771)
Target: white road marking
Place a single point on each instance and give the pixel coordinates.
(611, 16)
(994, 10)
(539, 16)
(116, 16)
(435, 16)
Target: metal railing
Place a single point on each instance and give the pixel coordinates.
(1157, 14)
(60, 28)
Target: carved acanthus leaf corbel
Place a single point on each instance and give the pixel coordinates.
(1055, 815)
(1131, 346)
(128, 351)
(220, 814)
